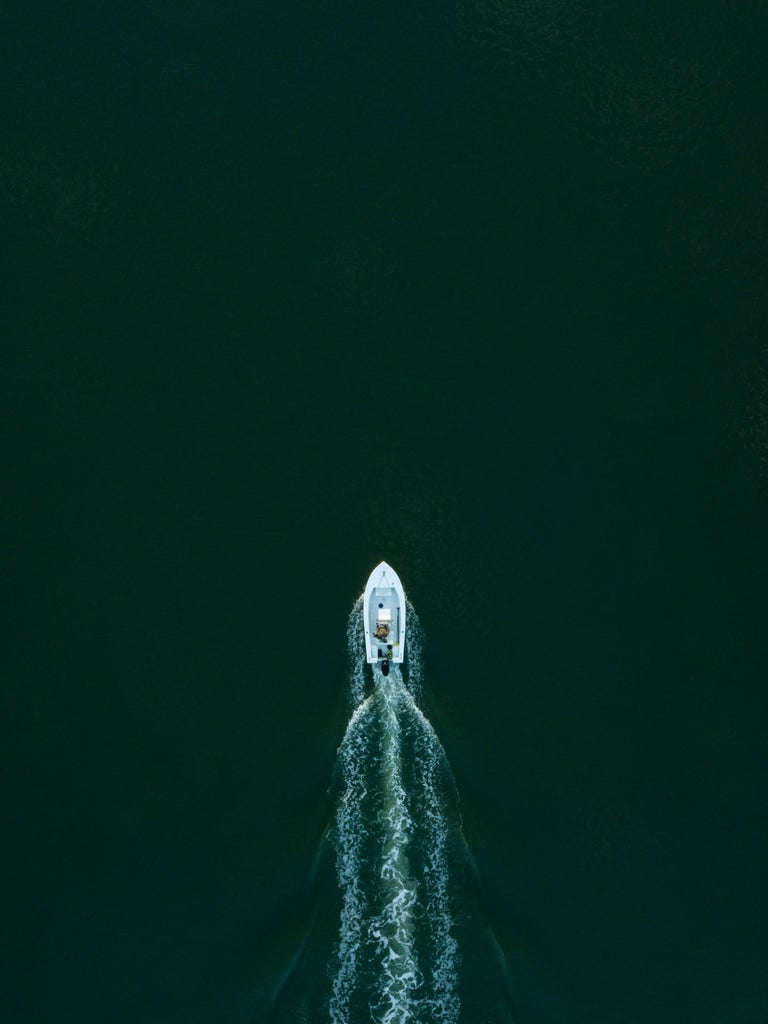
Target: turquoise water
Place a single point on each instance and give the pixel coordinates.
(477, 288)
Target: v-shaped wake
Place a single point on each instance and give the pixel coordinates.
(396, 835)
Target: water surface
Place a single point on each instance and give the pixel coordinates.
(477, 288)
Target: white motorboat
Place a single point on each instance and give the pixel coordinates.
(384, 617)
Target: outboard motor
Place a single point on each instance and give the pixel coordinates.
(385, 666)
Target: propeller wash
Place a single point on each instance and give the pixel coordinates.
(396, 834)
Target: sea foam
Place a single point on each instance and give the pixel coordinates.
(395, 833)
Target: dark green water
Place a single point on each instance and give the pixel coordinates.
(478, 288)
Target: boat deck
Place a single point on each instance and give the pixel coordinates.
(384, 616)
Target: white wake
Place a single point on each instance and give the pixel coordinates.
(396, 957)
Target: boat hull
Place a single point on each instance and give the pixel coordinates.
(384, 615)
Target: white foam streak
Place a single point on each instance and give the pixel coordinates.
(444, 1000)
(349, 835)
(393, 927)
(396, 959)
(414, 649)
(356, 653)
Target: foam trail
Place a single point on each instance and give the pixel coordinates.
(356, 653)
(396, 958)
(348, 840)
(414, 650)
(393, 926)
(443, 1000)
